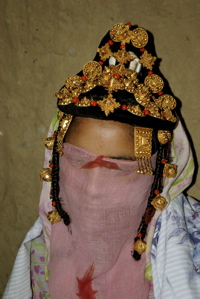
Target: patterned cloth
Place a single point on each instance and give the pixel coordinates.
(173, 238)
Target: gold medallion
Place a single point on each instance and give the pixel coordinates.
(159, 202)
(92, 70)
(154, 82)
(170, 170)
(120, 33)
(139, 38)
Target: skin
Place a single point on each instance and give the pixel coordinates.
(107, 138)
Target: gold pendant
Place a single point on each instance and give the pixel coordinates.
(170, 170)
(159, 202)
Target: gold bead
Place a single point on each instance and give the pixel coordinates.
(49, 142)
(45, 174)
(139, 246)
(54, 217)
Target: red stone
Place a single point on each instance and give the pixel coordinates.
(83, 78)
(122, 46)
(146, 112)
(142, 49)
(75, 100)
(124, 107)
(150, 72)
(101, 62)
(156, 192)
(110, 42)
(139, 235)
(117, 75)
(53, 203)
(94, 103)
(163, 161)
(160, 93)
(129, 24)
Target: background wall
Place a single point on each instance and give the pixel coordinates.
(43, 42)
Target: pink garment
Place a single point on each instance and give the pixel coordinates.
(92, 259)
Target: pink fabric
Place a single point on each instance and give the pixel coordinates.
(92, 258)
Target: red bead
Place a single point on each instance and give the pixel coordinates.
(75, 100)
(117, 75)
(142, 49)
(54, 135)
(150, 73)
(83, 78)
(110, 42)
(101, 62)
(156, 192)
(122, 46)
(124, 107)
(160, 93)
(146, 112)
(129, 24)
(68, 89)
(53, 203)
(163, 161)
(94, 103)
(51, 165)
(139, 235)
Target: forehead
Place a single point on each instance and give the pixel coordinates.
(107, 138)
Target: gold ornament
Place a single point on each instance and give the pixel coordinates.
(120, 33)
(159, 202)
(167, 102)
(135, 109)
(73, 81)
(167, 114)
(164, 136)
(105, 52)
(147, 60)
(49, 142)
(143, 148)
(45, 174)
(122, 56)
(139, 38)
(92, 70)
(120, 77)
(64, 125)
(142, 95)
(154, 82)
(84, 102)
(54, 217)
(139, 246)
(108, 104)
(170, 170)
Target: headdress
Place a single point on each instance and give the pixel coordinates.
(122, 83)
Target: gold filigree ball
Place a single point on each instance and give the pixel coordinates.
(139, 246)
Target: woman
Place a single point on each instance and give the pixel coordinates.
(113, 222)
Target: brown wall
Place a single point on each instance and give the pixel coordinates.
(43, 42)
